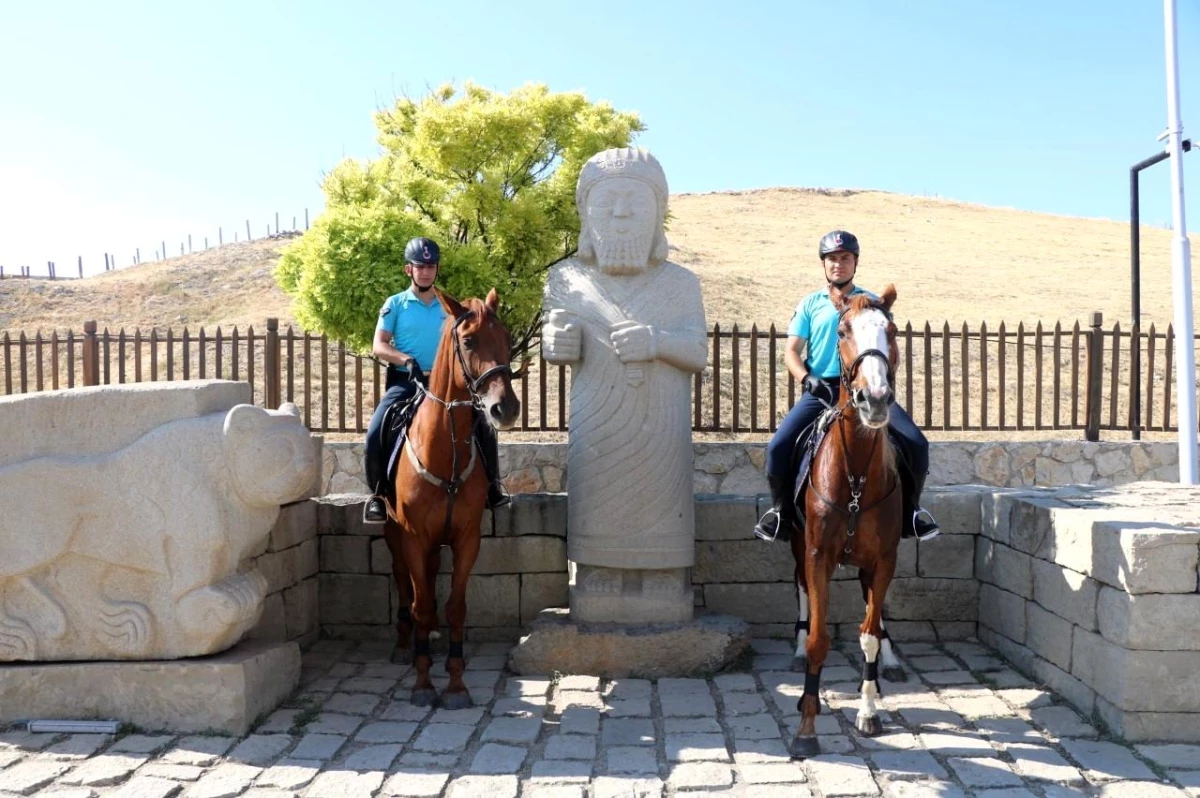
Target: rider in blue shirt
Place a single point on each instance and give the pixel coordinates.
(814, 326)
(407, 336)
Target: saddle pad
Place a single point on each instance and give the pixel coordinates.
(395, 432)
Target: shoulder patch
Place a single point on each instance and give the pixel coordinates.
(386, 310)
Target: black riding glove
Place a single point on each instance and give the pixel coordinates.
(414, 371)
(811, 383)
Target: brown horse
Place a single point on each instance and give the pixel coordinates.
(852, 507)
(441, 486)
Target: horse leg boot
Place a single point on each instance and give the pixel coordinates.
(402, 653)
(489, 447)
(869, 633)
(456, 695)
(801, 628)
(425, 616)
(804, 744)
(868, 722)
(893, 671)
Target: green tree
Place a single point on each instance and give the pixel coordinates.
(490, 177)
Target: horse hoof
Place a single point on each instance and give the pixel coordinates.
(401, 656)
(457, 700)
(804, 747)
(869, 727)
(423, 698)
(895, 674)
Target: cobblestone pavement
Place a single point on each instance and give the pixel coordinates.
(963, 725)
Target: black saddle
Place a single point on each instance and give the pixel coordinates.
(394, 431)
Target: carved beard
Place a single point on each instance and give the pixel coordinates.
(624, 254)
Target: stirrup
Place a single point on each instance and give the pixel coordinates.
(932, 530)
(770, 527)
(374, 511)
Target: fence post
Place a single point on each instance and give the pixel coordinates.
(91, 354)
(271, 365)
(1095, 369)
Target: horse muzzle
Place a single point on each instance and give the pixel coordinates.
(871, 409)
(502, 412)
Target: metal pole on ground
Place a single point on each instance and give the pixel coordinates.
(1181, 265)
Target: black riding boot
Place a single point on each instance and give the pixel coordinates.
(489, 446)
(918, 522)
(374, 511)
(776, 523)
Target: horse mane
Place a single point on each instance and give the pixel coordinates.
(860, 302)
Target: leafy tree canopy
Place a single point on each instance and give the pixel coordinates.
(489, 176)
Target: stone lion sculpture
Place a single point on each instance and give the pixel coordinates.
(145, 552)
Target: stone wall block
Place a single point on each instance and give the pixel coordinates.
(725, 517)
(297, 523)
(1066, 593)
(354, 599)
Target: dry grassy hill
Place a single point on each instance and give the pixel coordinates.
(753, 250)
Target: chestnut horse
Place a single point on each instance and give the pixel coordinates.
(852, 507)
(441, 486)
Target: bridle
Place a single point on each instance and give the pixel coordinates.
(473, 384)
(857, 397)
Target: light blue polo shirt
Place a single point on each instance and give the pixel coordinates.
(816, 320)
(416, 328)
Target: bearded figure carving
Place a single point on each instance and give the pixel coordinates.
(631, 325)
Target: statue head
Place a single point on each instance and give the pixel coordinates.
(622, 202)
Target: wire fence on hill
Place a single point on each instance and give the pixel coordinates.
(186, 247)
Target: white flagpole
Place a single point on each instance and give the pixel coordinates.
(1181, 267)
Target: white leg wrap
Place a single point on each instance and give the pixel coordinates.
(870, 649)
(886, 655)
(802, 634)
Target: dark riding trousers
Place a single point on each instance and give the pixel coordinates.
(779, 451)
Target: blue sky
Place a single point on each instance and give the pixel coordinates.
(126, 123)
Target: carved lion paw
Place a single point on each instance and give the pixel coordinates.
(17, 641)
(229, 603)
(126, 625)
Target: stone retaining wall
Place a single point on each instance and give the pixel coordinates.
(290, 564)
(522, 569)
(1096, 593)
(736, 468)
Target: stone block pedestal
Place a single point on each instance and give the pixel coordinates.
(223, 692)
(697, 648)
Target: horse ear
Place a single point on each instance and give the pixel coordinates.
(888, 297)
(492, 300)
(452, 306)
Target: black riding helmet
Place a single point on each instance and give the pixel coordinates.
(422, 250)
(838, 241)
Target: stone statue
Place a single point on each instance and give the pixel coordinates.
(631, 324)
(142, 551)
